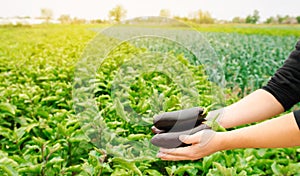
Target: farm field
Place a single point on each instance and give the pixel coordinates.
(41, 133)
(262, 29)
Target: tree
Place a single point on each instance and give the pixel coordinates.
(298, 19)
(271, 20)
(205, 17)
(253, 19)
(290, 20)
(165, 13)
(65, 19)
(238, 20)
(78, 21)
(281, 19)
(46, 14)
(202, 17)
(181, 18)
(117, 13)
(98, 21)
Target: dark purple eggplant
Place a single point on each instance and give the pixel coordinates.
(171, 139)
(179, 120)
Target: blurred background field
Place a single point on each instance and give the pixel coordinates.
(39, 131)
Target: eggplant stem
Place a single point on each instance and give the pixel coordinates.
(207, 109)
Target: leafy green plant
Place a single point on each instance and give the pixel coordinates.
(40, 133)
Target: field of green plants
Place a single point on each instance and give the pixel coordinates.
(41, 132)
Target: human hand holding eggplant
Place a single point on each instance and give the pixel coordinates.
(169, 126)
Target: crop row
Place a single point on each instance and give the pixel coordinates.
(42, 134)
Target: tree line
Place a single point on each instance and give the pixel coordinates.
(204, 17)
(118, 13)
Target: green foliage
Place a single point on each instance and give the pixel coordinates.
(214, 125)
(253, 19)
(251, 29)
(203, 17)
(40, 134)
(298, 19)
(117, 13)
(250, 59)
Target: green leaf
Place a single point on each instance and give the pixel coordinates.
(276, 169)
(30, 126)
(8, 108)
(51, 98)
(215, 125)
(56, 147)
(242, 173)
(74, 168)
(8, 170)
(126, 164)
(135, 137)
(31, 148)
(223, 170)
(20, 132)
(152, 172)
(207, 162)
(120, 110)
(37, 168)
(6, 132)
(171, 170)
(182, 169)
(120, 172)
(55, 160)
(24, 96)
(8, 161)
(79, 138)
(40, 141)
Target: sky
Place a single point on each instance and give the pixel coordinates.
(98, 9)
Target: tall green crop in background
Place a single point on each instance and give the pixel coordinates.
(40, 134)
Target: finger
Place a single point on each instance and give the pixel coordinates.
(202, 138)
(171, 139)
(191, 139)
(205, 137)
(181, 151)
(164, 156)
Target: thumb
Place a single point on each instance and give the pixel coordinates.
(189, 139)
(202, 137)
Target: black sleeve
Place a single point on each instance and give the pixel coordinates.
(285, 84)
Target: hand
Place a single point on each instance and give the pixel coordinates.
(171, 139)
(203, 143)
(169, 126)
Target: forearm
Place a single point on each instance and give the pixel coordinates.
(276, 133)
(255, 107)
